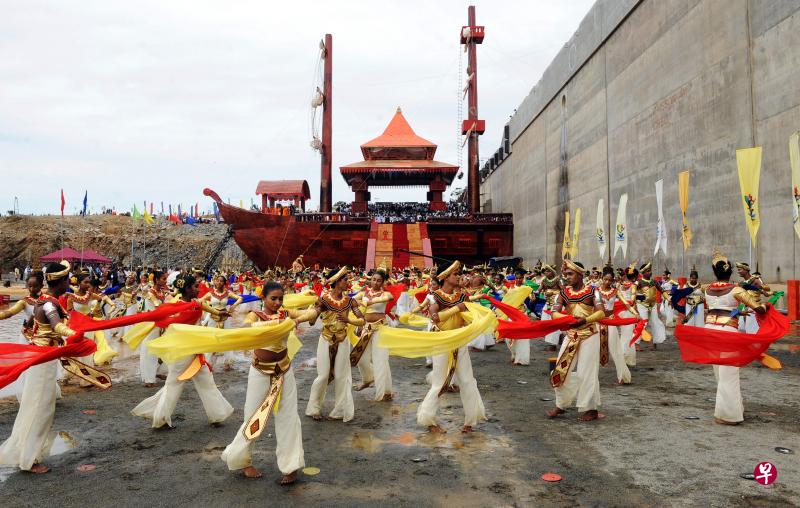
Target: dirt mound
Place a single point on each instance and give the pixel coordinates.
(25, 238)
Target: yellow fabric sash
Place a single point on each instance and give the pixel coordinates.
(299, 300)
(104, 353)
(180, 341)
(683, 199)
(136, 334)
(414, 320)
(416, 344)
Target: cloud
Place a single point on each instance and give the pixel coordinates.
(155, 100)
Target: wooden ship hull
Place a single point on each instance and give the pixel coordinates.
(339, 239)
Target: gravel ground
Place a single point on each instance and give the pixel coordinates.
(643, 453)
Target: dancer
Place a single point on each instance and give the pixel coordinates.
(89, 303)
(217, 298)
(575, 377)
(31, 438)
(610, 294)
(373, 360)
(666, 287)
(153, 297)
(549, 289)
(271, 384)
(646, 289)
(25, 305)
(723, 298)
(520, 349)
(477, 292)
(695, 302)
(448, 303)
(627, 293)
(160, 406)
(755, 288)
(333, 350)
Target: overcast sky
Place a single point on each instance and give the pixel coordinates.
(155, 99)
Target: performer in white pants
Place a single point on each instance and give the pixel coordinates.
(575, 378)
(695, 303)
(217, 298)
(627, 292)
(270, 381)
(160, 406)
(549, 289)
(448, 303)
(156, 295)
(610, 295)
(25, 306)
(333, 350)
(31, 436)
(646, 289)
(723, 297)
(373, 303)
(666, 287)
(754, 287)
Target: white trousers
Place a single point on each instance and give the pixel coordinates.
(669, 314)
(616, 350)
(288, 432)
(381, 368)
(160, 406)
(729, 405)
(148, 363)
(343, 407)
(31, 439)
(657, 329)
(748, 323)
(625, 336)
(582, 385)
(697, 317)
(550, 338)
(365, 368)
(468, 390)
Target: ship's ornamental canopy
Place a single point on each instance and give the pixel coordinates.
(398, 157)
(284, 189)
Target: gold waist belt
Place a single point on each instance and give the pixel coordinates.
(714, 319)
(272, 368)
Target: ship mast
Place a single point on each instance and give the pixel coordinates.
(471, 36)
(325, 185)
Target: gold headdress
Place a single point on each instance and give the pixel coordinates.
(568, 263)
(744, 266)
(631, 268)
(341, 273)
(454, 268)
(546, 267)
(646, 266)
(51, 276)
(717, 257)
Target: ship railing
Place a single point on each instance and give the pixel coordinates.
(483, 218)
(330, 217)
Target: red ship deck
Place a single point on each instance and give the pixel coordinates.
(332, 239)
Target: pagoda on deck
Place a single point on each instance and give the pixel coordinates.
(398, 157)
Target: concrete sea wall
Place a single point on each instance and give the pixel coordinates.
(644, 90)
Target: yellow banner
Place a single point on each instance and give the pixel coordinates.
(749, 162)
(566, 246)
(794, 158)
(683, 197)
(575, 234)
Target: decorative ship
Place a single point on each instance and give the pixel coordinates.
(272, 236)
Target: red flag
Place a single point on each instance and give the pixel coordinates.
(62, 202)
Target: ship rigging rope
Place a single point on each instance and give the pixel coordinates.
(280, 249)
(316, 84)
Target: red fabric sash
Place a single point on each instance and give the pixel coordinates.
(735, 349)
(637, 331)
(17, 358)
(520, 327)
(395, 290)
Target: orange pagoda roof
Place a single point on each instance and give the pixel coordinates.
(281, 189)
(398, 135)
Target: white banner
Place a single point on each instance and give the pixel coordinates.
(661, 231)
(621, 230)
(601, 230)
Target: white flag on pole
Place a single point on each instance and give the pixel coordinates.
(601, 230)
(621, 230)
(661, 231)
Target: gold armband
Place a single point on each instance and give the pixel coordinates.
(355, 321)
(744, 297)
(63, 330)
(595, 316)
(448, 313)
